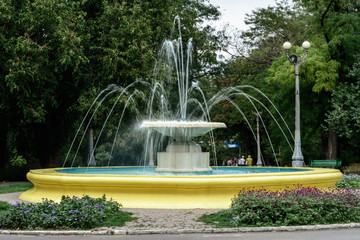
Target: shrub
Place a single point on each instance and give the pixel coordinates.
(297, 206)
(71, 212)
(4, 207)
(349, 181)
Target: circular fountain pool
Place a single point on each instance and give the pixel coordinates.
(142, 187)
(150, 171)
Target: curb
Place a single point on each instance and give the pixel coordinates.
(181, 231)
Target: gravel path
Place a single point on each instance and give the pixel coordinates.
(167, 218)
(11, 197)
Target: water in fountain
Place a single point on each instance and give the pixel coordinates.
(177, 110)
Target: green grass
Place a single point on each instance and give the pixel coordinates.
(118, 219)
(15, 188)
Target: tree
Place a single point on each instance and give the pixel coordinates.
(258, 48)
(338, 22)
(55, 56)
(267, 28)
(344, 115)
(329, 26)
(39, 47)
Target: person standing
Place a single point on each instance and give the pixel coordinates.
(237, 162)
(249, 161)
(242, 161)
(229, 162)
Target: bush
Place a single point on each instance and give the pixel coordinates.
(4, 207)
(298, 206)
(71, 212)
(349, 181)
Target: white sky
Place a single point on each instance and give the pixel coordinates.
(233, 11)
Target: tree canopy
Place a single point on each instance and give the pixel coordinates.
(55, 56)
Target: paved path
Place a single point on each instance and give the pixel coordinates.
(11, 197)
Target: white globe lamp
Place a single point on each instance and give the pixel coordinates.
(287, 45)
(306, 45)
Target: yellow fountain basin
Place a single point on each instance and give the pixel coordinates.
(168, 192)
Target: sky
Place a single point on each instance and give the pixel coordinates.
(233, 11)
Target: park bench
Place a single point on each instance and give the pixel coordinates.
(326, 163)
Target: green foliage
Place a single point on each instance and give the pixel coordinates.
(318, 68)
(71, 212)
(338, 22)
(349, 181)
(344, 115)
(57, 55)
(297, 206)
(17, 160)
(4, 207)
(332, 27)
(271, 26)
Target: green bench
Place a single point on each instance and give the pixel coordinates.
(326, 163)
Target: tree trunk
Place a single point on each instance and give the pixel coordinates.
(332, 145)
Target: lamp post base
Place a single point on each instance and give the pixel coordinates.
(297, 163)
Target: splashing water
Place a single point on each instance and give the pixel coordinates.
(171, 96)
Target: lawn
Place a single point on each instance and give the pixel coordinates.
(10, 188)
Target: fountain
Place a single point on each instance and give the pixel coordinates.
(182, 178)
(182, 155)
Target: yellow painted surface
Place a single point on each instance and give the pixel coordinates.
(168, 192)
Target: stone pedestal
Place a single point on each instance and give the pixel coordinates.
(183, 157)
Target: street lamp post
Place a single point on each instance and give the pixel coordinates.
(259, 162)
(297, 158)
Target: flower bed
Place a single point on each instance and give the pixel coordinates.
(71, 212)
(297, 206)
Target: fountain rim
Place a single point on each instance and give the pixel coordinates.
(169, 192)
(312, 171)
